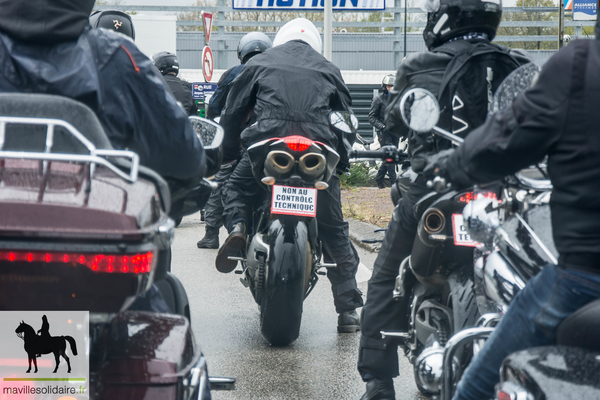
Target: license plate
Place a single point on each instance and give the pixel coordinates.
(290, 200)
(461, 236)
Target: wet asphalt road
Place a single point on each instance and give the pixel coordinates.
(321, 364)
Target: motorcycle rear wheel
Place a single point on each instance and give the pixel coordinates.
(281, 302)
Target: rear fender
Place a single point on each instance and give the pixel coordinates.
(288, 242)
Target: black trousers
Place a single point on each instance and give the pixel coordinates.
(389, 169)
(213, 211)
(241, 193)
(378, 358)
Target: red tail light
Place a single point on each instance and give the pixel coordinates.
(469, 196)
(297, 143)
(112, 263)
(502, 395)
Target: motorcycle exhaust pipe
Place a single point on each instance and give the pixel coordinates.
(434, 221)
(312, 165)
(278, 163)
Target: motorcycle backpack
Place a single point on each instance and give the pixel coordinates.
(464, 104)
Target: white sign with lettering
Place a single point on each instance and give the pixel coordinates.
(461, 236)
(303, 5)
(294, 201)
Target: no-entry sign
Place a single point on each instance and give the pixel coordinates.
(207, 63)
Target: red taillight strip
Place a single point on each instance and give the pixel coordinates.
(112, 263)
(297, 143)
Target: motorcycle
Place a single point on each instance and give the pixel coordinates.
(85, 227)
(514, 235)
(283, 256)
(436, 280)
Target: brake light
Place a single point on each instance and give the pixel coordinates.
(112, 263)
(469, 196)
(297, 143)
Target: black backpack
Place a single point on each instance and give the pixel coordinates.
(464, 105)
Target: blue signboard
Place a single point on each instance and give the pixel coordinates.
(345, 5)
(202, 90)
(585, 10)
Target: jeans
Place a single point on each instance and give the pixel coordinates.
(531, 320)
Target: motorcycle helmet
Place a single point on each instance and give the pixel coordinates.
(388, 80)
(252, 43)
(447, 19)
(165, 62)
(113, 20)
(299, 29)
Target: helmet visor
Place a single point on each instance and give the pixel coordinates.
(430, 6)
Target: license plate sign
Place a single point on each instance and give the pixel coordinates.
(461, 236)
(290, 200)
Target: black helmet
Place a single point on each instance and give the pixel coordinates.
(254, 42)
(447, 19)
(165, 62)
(388, 80)
(114, 20)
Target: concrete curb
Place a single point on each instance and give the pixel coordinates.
(360, 231)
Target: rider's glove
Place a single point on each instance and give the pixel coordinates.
(436, 165)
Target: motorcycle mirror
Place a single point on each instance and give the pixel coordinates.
(345, 122)
(210, 133)
(420, 110)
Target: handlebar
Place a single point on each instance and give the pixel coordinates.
(367, 154)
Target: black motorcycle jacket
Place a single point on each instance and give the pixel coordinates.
(48, 47)
(290, 90)
(218, 100)
(377, 119)
(377, 112)
(427, 70)
(559, 117)
(182, 91)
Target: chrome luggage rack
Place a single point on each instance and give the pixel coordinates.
(96, 156)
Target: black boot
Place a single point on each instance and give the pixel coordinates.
(348, 322)
(379, 390)
(234, 246)
(381, 184)
(210, 239)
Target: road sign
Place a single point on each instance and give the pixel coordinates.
(207, 22)
(207, 63)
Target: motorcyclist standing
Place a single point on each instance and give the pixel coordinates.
(48, 46)
(291, 89)
(377, 119)
(458, 34)
(250, 45)
(168, 66)
(557, 117)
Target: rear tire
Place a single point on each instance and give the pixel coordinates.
(283, 295)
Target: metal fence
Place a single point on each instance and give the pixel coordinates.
(351, 51)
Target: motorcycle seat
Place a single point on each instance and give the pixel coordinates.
(33, 137)
(581, 328)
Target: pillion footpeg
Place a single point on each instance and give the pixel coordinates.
(326, 265)
(401, 335)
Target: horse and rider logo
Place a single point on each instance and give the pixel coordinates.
(41, 342)
(117, 24)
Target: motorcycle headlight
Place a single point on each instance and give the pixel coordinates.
(481, 220)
